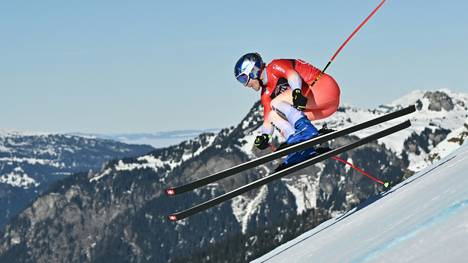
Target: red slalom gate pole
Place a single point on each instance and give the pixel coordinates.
(386, 184)
(344, 44)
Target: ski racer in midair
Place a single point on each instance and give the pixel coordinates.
(293, 93)
(288, 100)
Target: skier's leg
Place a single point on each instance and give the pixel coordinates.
(279, 122)
(297, 157)
(286, 109)
(304, 130)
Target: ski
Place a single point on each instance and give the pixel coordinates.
(274, 176)
(285, 151)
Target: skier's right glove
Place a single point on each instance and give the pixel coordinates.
(261, 142)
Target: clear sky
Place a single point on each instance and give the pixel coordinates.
(144, 66)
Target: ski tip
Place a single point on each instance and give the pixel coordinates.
(172, 218)
(170, 191)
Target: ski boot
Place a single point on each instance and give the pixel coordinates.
(304, 131)
(295, 158)
(300, 156)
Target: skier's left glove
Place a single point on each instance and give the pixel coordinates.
(261, 142)
(299, 100)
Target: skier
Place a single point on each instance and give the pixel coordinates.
(288, 100)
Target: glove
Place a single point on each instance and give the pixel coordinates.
(261, 142)
(299, 101)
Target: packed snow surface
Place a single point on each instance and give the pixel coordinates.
(423, 219)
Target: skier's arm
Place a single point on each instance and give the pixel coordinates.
(262, 140)
(295, 82)
(294, 79)
(267, 127)
(285, 68)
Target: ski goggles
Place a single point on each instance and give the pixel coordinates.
(243, 78)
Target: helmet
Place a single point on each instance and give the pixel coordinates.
(249, 66)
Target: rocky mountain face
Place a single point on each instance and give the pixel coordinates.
(118, 214)
(30, 163)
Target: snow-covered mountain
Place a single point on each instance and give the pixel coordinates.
(439, 126)
(157, 139)
(120, 211)
(422, 219)
(438, 113)
(30, 162)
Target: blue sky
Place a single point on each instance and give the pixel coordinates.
(143, 66)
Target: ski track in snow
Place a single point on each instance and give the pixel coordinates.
(436, 219)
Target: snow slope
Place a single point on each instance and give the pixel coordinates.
(423, 219)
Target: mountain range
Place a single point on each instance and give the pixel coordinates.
(156, 139)
(31, 162)
(119, 213)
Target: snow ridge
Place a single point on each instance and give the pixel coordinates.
(244, 207)
(150, 161)
(18, 178)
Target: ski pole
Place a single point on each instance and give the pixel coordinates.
(385, 184)
(342, 45)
